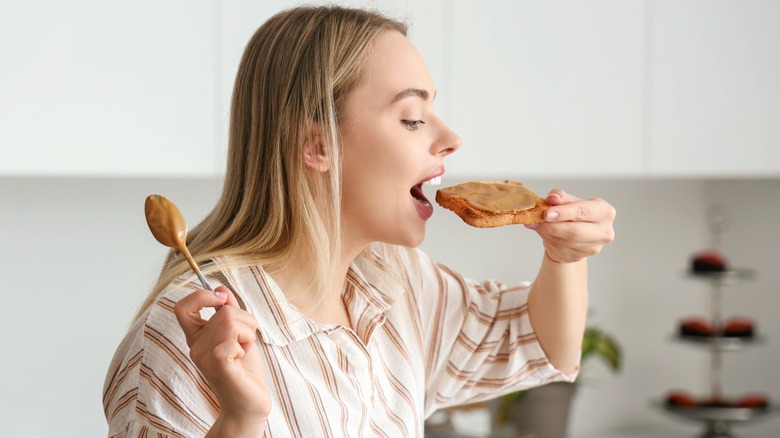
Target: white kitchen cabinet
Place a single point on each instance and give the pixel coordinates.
(429, 23)
(605, 88)
(715, 88)
(94, 88)
(240, 19)
(547, 88)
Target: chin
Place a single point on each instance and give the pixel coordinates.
(413, 240)
(408, 238)
(414, 243)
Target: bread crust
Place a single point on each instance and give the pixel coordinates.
(488, 219)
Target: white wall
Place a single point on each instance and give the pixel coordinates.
(76, 259)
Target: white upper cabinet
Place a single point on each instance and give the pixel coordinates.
(547, 89)
(716, 88)
(603, 88)
(238, 21)
(429, 23)
(241, 18)
(101, 88)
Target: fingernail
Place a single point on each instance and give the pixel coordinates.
(532, 226)
(551, 215)
(221, 295)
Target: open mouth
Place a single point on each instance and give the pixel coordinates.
(434, 179)
(417, 194)
(424, 207)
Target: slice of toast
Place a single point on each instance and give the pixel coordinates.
(482, 218)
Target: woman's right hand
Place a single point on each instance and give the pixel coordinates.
(224, 350)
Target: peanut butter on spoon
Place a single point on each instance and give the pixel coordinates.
(169, 228)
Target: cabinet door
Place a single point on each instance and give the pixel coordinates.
(716, 88)
(547, 88)
(429, 23)
(240, 19)
(107, 88)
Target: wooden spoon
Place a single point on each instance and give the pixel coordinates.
(169, 228)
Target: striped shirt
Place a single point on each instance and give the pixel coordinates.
(423, 338)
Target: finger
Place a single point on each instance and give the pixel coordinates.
(565, 250)
(570, 255)
(230, 324)
(234, 360)
(187, 309)
(232, 314)
(594, 210)
(576, 233)
(215, 360)
(559, 197)
(228, 351)
(231, 297)
(237, 330)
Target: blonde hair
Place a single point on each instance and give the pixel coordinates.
(296, 73)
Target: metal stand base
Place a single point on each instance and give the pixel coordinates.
(718, 429)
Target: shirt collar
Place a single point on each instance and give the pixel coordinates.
(367, 291)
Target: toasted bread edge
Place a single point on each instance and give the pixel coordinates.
(485, 219)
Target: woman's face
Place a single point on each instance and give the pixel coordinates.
(392, 142)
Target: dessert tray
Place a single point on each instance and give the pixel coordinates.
(713, 413)
(717, 335)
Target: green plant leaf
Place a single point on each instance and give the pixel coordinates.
(604, 346)
(610, 352)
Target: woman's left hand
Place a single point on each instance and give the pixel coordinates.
(575, 228)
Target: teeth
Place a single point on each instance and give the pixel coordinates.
(434, 181)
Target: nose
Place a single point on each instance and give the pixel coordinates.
(447, 141)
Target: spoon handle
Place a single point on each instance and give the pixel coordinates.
(195, 268)
(203, 280)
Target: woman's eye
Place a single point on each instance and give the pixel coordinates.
(412, 125)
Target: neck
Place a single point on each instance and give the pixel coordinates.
(328, 307)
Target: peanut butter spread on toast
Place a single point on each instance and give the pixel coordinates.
(495, 197)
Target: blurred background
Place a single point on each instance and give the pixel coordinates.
(667, 109)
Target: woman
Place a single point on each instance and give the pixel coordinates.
(330, 325)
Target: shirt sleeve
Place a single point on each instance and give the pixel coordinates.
(152, 387)
(479, 340)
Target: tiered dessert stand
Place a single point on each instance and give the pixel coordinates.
(717, 413)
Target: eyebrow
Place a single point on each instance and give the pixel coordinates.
(409, 92)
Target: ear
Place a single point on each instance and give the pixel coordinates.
(313, 151)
